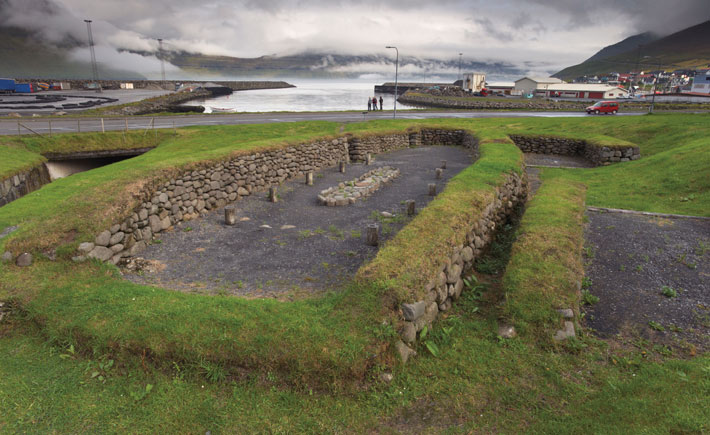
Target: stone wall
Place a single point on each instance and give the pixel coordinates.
(360, 147)
(596, 154)
(23, 183)
(447, 283)
(192, 193)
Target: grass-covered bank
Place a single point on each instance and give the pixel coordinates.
(476, 382)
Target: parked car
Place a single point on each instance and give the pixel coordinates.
(603, 107)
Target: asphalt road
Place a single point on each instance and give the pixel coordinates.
(12, 126)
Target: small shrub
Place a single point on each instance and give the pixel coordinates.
(588, 298)
(668, 292)
(656, 326)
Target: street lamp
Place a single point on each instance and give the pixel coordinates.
(396, 73)
(162, 61)
(94, 68)
(460, 76)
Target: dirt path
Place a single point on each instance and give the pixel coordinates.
(632, 259)
(306, 247)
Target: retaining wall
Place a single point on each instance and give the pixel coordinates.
(596, 154)
(446, 284)
(23, 183)
(194, 192)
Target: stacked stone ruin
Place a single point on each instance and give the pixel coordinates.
(364, 186)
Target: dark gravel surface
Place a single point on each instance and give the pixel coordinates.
(631, 258)
(553, 160)
(322, 252)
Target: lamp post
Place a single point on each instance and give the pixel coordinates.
(655, 82)
(94, 68)
(396, 73)
(460, 76)
(162, 62)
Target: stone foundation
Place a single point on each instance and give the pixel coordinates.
(23, 183)
(349, 192)
(596, 154)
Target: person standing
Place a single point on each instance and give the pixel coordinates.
(369, 104)
(374, 103)
(380, 102)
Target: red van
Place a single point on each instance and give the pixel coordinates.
(603, 107)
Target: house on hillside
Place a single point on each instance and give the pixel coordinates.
(585, 91)
(529, 85)
(701, 82)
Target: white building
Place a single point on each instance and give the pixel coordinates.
(701, 83)
(583, 90)
(505, 88)
(528, 85)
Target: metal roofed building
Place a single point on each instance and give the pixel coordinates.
(583, 91)
(528, 85)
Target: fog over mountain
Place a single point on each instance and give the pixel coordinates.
(513, 35)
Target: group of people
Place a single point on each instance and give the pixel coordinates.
(372, 103)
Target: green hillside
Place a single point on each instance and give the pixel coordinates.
(689, 48)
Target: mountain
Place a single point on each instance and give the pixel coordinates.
(686, 49)
(628, 44)
(24, 55)
(323, 65)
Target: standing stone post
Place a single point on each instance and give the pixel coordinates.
(443, 164)
(373, 234)
(272, 194)
(411, 205)
(439, 171)
(342, 167)
(432, 189)
(309, 179)
(230, 215)
(368, 159)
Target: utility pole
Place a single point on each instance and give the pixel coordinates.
(653, 97)
(460, 76)
(396, 73)
(94, 68)
(162, 61)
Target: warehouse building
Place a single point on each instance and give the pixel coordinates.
(583, 90)
(529, 85)
(701, 83)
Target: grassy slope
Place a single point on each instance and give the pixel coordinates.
(475, 373)
(17, 159)
(477, 383)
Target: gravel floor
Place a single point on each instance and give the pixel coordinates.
(534, 159)
(323, 249)
(630, 260)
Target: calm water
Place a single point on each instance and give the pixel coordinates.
(307, 96)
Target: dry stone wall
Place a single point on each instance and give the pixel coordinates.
(597, 155)
(23, 183)
(194, 192)
(198, 191)
(446, 284)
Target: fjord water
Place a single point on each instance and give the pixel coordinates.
(307, 96)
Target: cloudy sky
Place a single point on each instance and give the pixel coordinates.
(536, 35)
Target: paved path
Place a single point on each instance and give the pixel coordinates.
(66, 125)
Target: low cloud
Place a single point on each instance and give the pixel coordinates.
(552, 34)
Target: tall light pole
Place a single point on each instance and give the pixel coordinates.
(396, 73)
(162, 62)
(460, 76)
(653, 97)
(94, 68)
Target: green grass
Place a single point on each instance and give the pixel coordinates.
(16, 159)
(228, 364)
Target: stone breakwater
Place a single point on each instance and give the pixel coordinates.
(484, 103)
(23, 183)
(595, 154)
(446, 284)
(195, 192)
(350, 191)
